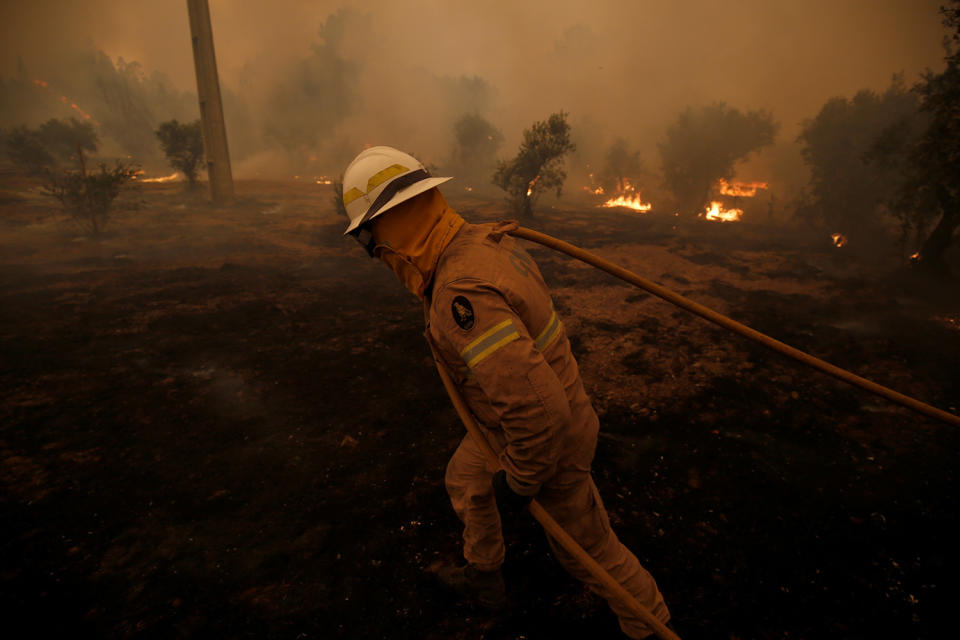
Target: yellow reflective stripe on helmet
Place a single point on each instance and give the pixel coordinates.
(492, 339)
(352, 195)
(385, 174)
(549, 333)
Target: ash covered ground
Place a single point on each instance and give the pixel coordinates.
(226, 423)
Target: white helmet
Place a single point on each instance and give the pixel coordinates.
(380, 178)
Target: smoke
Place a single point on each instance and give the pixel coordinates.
(307, 84)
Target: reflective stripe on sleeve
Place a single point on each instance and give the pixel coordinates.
(549, 333)
(489, 341)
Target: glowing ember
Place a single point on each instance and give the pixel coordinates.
(597, 191)
(469, 188)
(951, 322)
(65, 100)
(170, 178)
(324, 180)
(915, 257)
(740, 189)
(630, 202)
(530, 186)
(716, 212)
(838, 239)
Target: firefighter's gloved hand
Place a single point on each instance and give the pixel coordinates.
(508, 501)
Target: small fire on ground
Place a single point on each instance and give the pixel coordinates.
(739, 189)
(838, 239)
(170, 178)
(629, 198)
(717, 213)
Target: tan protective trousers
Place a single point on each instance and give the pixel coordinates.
(572, 499)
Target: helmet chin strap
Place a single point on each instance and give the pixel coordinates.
(364, 236)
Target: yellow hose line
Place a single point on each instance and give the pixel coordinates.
(733, 325)
(551, 526)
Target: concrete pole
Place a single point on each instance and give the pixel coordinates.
(211, 108)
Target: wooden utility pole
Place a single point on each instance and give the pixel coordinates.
(211, 108)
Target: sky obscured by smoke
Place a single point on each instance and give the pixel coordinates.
(410, 69)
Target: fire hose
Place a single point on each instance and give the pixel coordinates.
(553, 529)
(734, 326)
(551, 526)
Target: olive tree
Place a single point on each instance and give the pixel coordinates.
(538, 165)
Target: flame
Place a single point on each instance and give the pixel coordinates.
(593, 187)
(323, 180)
(627, 197)
(915, 257)
(67, 101)
(530, 186)
(170, 178)
(630, 202)
(951, 322)
(716, 212)
(741, 189)
(469, 188)
(838, 239)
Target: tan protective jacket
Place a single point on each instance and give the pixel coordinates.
(492, 324)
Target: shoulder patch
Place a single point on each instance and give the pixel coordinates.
(463, 313)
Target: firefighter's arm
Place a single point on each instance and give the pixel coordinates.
(477, 328)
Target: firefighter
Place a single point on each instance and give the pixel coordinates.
(491, 322)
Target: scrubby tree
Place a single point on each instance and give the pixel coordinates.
(849, 190)
(183, 146)
(538, 165)
(621, 166)
(52, 143)
(65, 138)
(316, 93)
(704, 144)
(25, 148)
(929, 194)
(476, 146)
(89, 197)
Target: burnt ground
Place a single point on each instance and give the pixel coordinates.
(225, 423)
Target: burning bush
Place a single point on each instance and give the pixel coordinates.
(704, 144)
(538, 165)
(89, 197)
(621, 168)
(183, 146)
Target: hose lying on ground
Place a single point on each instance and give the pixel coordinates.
(733, 325)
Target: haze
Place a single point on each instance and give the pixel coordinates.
(619, 68)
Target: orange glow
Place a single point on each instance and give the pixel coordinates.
(741, 189)
(170, 178)
(915, 257)
(530, 186)
(597, 191)
(628, 197)
(838, 239)
(324, 180)
(631, 202)
(65, 100)
(716, 212)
